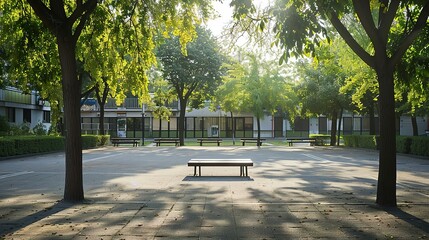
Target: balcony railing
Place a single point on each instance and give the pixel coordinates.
(15, 96)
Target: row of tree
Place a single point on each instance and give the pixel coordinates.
(66, 49)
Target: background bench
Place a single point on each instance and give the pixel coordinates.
(251, 140)
(209, 140)
(242, 163)
(117, 141)
(312, 141)
(158, 141)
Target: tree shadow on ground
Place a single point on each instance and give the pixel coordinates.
(283, 200)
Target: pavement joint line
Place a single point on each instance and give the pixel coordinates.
(15, 174)
(316, 157)
(103, 157)
(254, 203)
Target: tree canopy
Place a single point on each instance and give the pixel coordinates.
(109, 37)
(258, 87)
(300, 25)
(193, 72)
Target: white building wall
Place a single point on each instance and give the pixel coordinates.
(36, 117)
(406, 128)
(266, 127)
(314, 126)
(19, 116)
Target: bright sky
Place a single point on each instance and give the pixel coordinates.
(224, 11)
(225, 14)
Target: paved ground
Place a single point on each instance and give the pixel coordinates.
(150, 193)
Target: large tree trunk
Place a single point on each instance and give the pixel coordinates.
(334, 128)
(182, 122)
(73, 190)
(386, 189)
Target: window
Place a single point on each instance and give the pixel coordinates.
(189, 123)
(10, 114)
(46, 116)
(248, 124)
(26, 117)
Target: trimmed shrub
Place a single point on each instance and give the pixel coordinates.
(403, 144)
(361, 141)
(350, 140)
(30, 144)
(321, 138)
(19, 145)
(92, 141)
(103, 140)
(89, 141)
(7, 147)
(368, 141)
(420, 146)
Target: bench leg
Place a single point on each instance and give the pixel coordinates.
(218, 144)
(199, 168)
(241, 171)
(243, 143)
(195, 170)
(246, 172)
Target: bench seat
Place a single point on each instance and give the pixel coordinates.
(117, 141)
(158, 141)
(209, 140)
(243, 163)
(312, 141)
(251, 140)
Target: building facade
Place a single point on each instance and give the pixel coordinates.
(19, 108)
(130, 118)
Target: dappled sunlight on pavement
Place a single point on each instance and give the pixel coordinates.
(150, 192)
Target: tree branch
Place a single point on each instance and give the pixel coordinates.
(86, 9)
(363, 11)
(348, 38)
(386, 20)
(417, 29)
(45, 14)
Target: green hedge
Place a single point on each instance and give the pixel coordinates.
(7, 147)
(10, 146)
(404, 144)
(361, 141)
(321, 138)
(420, 146)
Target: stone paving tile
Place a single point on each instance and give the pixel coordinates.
(160, 200)
(218, 232)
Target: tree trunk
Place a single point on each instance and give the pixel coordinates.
(371, 110)
(233, 129)
(258, 123)
(102, 118)
(386, 189)
(182, 122)
(414, 124)
(73, 190)
(334, 128)
(339, 127)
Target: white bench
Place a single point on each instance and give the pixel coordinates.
(243, 163)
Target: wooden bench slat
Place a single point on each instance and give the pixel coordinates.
(158, 141)
(117, 141)
(242, 163)
(209, 140)
(252, 140)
